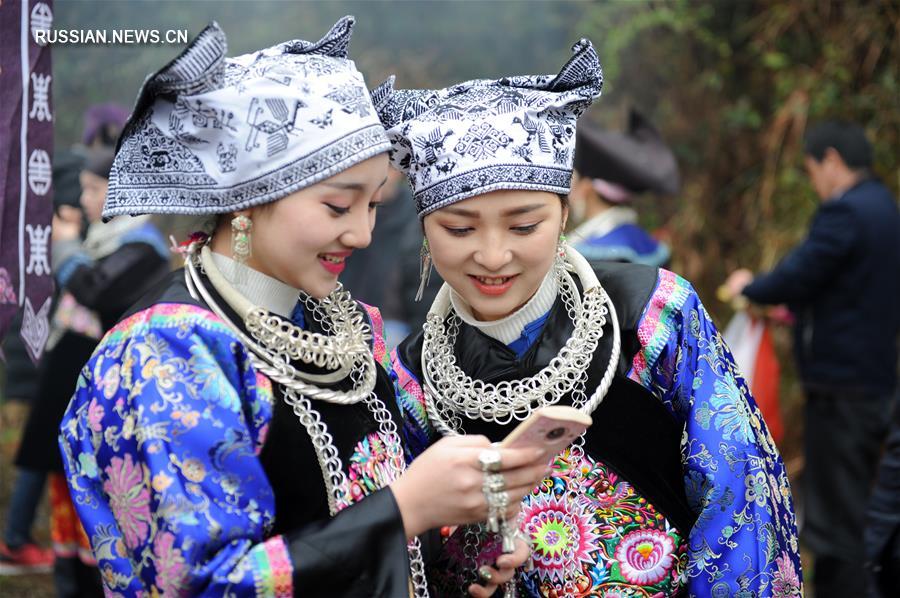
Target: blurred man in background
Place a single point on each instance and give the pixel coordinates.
(842, 283)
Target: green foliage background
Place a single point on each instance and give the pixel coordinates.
(731, 84)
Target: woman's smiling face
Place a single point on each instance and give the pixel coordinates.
(304, 239)
(495, 249)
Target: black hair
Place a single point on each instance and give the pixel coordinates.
(66, 188)
(99, 161)
(847, 139)
(108, 135)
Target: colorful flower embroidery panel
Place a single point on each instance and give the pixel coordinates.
(592, 534)
(160, 448)
(744, 542)
(369, 469)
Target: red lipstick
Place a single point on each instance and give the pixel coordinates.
(334, 261)
(493, 288)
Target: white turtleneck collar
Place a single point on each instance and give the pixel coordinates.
(262, 290)
(508, 329)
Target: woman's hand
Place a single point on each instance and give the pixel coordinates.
(443, 486)
(503, 572)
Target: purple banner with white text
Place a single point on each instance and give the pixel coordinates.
(26, 151)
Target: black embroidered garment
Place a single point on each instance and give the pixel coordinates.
(681, 490)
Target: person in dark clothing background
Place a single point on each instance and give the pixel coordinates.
(842, 283)
(19, 553)
(882, 536)
(386, 273)
(98, 279)
(611, 169)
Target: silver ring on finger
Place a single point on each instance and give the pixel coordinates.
(497, 501)
(489, 459)
(493, 483)
(484, 572)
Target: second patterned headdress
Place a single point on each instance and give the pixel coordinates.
(489, 134)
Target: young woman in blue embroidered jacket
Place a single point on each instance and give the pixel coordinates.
(234, 434)
(677, 489)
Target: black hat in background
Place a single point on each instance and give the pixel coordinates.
(66, 188)
(99, 161)
(638, 160)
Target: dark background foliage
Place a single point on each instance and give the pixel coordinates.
(731, 84)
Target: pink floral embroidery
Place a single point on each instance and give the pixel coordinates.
(162, 316)
(656, 323)
(561, 531)
(645, 556)
(369, 469)
(95, 416)
(171, 569)
(786, 582)
(282, 581)
(605, 487)
(7, 294)
(129, 499)
(379, 348)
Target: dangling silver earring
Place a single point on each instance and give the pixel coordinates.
(240, 244)
(561, 247)
(424, 269)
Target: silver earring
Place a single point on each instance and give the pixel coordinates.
(424, 269)
(561, 247)
(240, 243)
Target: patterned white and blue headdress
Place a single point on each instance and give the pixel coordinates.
(484, 135)
(212, 135)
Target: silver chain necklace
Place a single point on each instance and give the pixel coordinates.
(451, 394)
(272, 358)
(276, 364)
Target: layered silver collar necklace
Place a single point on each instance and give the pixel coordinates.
(451, 394)
(274, 343)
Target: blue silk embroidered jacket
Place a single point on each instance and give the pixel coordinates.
(193, 477)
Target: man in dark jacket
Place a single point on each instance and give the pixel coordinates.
(842, 283)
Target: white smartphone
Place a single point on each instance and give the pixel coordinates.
(553, 428)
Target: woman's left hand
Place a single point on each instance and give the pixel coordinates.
(503, 571)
